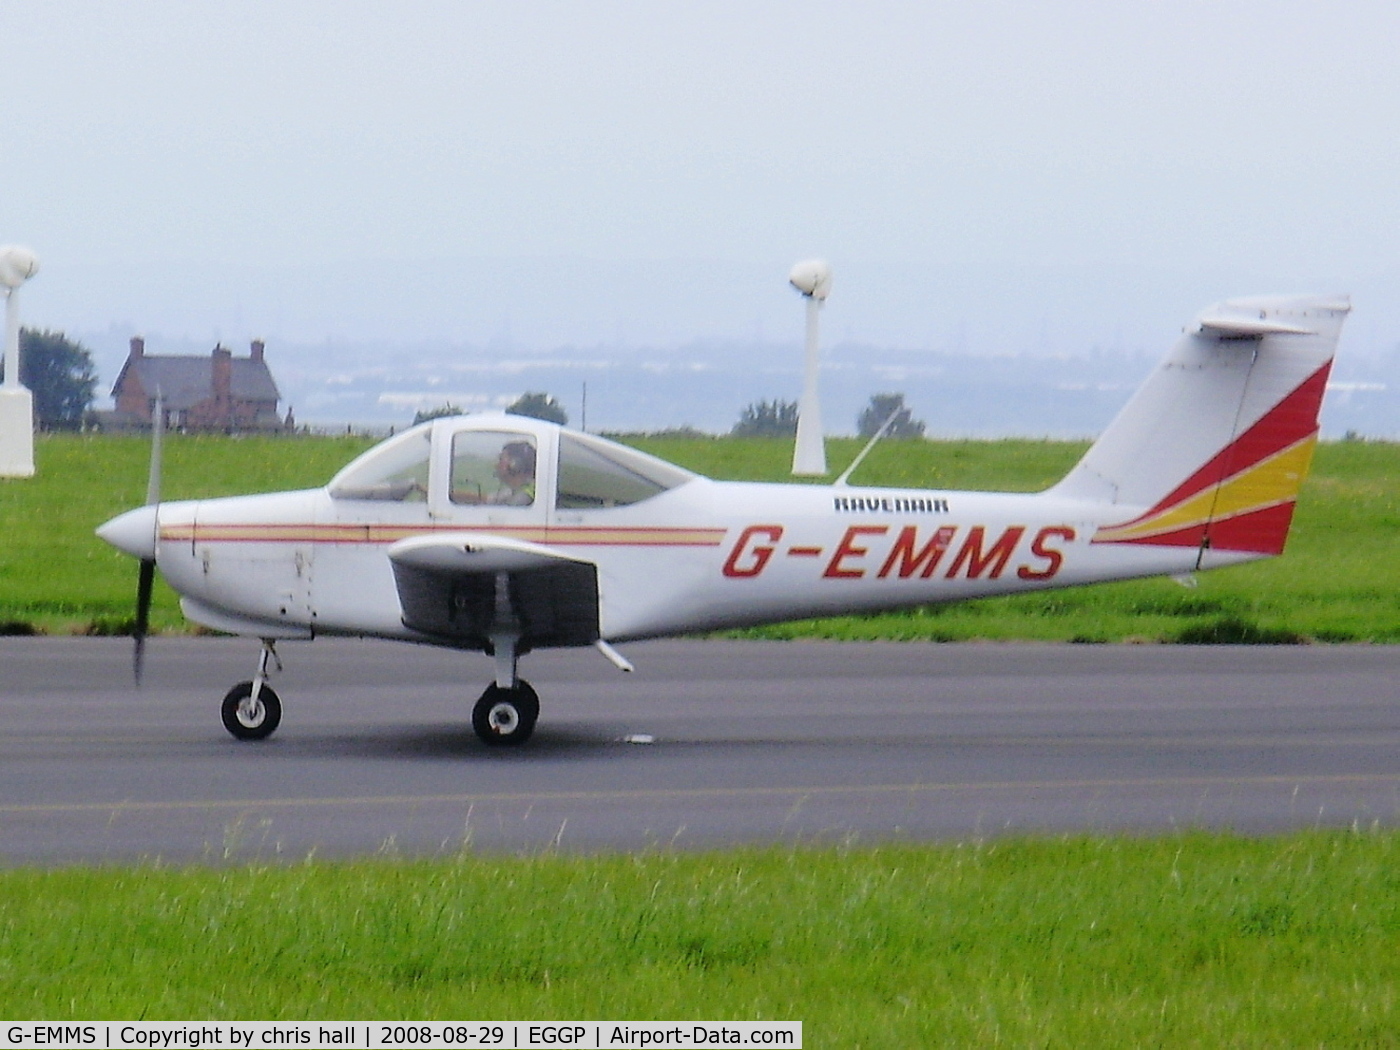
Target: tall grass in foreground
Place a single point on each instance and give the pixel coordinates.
(1335, 582)
(1184, 940)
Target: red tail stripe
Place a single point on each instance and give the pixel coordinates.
(1257, 532)
(1290, 421)
(1261, 531)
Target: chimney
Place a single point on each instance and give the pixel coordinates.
(138, 346)
(257, 350)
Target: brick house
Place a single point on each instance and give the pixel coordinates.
(215, 393)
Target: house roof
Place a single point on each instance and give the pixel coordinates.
(186, 380)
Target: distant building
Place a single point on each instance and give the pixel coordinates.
(215, 393)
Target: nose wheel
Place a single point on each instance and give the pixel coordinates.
(252, 710)
(248, 717)
(506, 714)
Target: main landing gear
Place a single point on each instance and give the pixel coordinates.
(506, 716)
(507, 711)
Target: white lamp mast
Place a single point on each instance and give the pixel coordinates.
(17, 265)
(813, 279)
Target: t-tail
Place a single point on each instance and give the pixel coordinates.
(1211, 451)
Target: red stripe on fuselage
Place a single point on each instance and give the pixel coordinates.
(351, 533)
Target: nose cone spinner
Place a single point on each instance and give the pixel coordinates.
(132, 533)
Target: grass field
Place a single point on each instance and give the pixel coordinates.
(1335, 583)
(1186, 940)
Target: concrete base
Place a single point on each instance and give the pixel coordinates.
(16, 432)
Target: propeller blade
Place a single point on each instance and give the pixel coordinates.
(157, 442)
(147, 576)
(144, 581)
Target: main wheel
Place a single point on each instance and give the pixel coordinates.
(506, 716)
(249, 720)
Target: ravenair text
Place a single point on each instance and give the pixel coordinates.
(902, 552)
(890, 504)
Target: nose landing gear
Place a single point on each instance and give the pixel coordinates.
(252, 710)
(250, 717)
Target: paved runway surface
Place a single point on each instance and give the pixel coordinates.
(752, 742)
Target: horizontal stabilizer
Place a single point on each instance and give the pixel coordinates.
(1247, 327)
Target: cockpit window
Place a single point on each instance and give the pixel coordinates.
(594, 473)
(491, 466)
(397, 470)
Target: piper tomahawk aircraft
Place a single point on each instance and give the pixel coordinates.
(504, 534)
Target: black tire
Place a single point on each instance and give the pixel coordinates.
(503, 717)
(255, 725)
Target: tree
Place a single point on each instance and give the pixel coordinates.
(881, 407)
(767, 419)
(60, 376)
(447, 408)
(539, 406)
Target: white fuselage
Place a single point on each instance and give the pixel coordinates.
(703, 555)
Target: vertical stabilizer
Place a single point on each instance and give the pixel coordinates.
(1211, 450)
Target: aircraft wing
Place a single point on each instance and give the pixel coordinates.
(460, 586)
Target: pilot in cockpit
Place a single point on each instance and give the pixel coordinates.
(515, 470)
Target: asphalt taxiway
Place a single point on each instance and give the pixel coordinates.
(709, 743)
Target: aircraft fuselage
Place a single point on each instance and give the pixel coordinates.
(705, 555)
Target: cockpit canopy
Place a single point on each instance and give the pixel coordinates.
(594, 472)
(395, 470)
(506, 460)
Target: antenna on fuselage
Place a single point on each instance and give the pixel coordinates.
(884, 429)
(813, 279)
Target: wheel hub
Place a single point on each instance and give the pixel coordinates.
(251, 712)
(503, 718)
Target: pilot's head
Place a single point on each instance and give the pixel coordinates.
(517, 460)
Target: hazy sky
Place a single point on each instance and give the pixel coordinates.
(990, 176)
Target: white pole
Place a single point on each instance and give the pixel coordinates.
(17, 265)
(12, 337)
(809, 453)
(813, 279)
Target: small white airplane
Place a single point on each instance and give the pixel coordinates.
(503, 534)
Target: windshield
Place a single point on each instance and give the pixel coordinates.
(396, 470)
